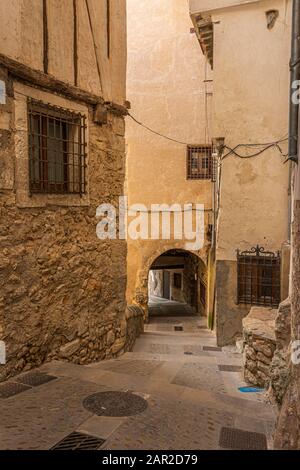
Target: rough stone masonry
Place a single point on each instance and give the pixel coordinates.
(62, 290)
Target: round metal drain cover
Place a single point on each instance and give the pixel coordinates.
(115, 404)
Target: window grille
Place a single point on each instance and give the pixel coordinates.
(259, 277)
(199, 162)
(57, 149)
(203, 293)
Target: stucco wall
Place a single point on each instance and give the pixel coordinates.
(254, 192)
(166, 90)
(21, 38)
(250, 105)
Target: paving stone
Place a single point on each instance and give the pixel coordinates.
(198, 376)
(167, 425)
(189, 399)
(44, 415)
(101, 426)
(133, 367)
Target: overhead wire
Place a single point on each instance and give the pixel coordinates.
(231, 151)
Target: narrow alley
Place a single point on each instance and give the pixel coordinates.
(149, 229)
(190, 389)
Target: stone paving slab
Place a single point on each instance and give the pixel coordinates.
(132, 367)
(171, 425)
(189, 399)
(195, 375)
(40, 417)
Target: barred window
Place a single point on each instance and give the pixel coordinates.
(259, 277)
(57, 149)
(199, 162)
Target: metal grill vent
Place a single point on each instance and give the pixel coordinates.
(79, 441)
(178, 328)
(10, 389)
(34, 379)
(236, 439)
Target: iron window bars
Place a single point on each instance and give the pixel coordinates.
(258, 277)
(199, 162)
(203, 293)
(57, 149)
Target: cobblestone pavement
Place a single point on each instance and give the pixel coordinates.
(189, 399)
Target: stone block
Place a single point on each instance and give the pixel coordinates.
(262, 358)
(69, 349)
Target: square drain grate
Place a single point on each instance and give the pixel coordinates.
(236, 439)
(212, 348)
(10, 389)
(79, 441)
(178, 328)
(225, 368)
(34, 379)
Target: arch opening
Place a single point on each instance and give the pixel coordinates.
(177, 285)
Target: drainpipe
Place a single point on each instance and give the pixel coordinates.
(294, 106)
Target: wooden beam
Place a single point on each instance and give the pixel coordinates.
(45, 37)
(48, 82)
(75, 43)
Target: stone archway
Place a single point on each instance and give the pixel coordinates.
(141, 291)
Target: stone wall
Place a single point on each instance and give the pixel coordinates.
(62, 290)
(229, 315)
(279, 370)
(134, 325)
(259, 345)
(287, 434)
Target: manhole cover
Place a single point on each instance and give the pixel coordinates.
(10, 389)
(79, 441)
(225, 368)
(115, 404)
(212, 348)
(35, 379)
(231, 438)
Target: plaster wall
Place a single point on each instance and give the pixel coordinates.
(250, 105)
(254, 192)
(167, 93)
(22, 39)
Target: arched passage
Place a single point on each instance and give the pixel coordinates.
(177, 284)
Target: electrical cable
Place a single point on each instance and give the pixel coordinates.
(155, 132)
(266, 145)
(231, 151)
